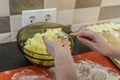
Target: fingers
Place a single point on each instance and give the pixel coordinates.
(73, 34)
(86, 37)
(87, 33)
(45, 39)
(87, 42)
(53, 47)
(46, 42)
(65, 42)
(50, 46)
(83, 32)
(66, 46)
(49, 42)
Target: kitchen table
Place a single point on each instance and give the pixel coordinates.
(93, 56)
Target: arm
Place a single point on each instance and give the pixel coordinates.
(96, 42)
(64, 65)
(115, 53)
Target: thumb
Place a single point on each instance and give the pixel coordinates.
(45, 40)
(66, 46)
(66, 43)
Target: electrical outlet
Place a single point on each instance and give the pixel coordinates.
(42, 15)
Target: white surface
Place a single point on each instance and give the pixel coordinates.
(39, 16)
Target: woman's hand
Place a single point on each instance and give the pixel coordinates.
(53, 47)
(93, 40)
(64, 64)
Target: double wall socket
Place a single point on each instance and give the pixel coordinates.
(42, 15)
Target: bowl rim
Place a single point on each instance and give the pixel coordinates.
(39, 59)
(37, 53)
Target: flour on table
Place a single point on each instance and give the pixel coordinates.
(88, 70)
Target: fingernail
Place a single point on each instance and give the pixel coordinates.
(63, 45)
(71, 34)
(43, 37)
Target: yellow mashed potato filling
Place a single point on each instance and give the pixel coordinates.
(36, 43)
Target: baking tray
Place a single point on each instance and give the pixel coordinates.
(116, 62)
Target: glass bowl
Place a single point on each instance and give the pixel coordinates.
(28, 32)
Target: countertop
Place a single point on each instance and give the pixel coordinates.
(12, 58)
(92, 56)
